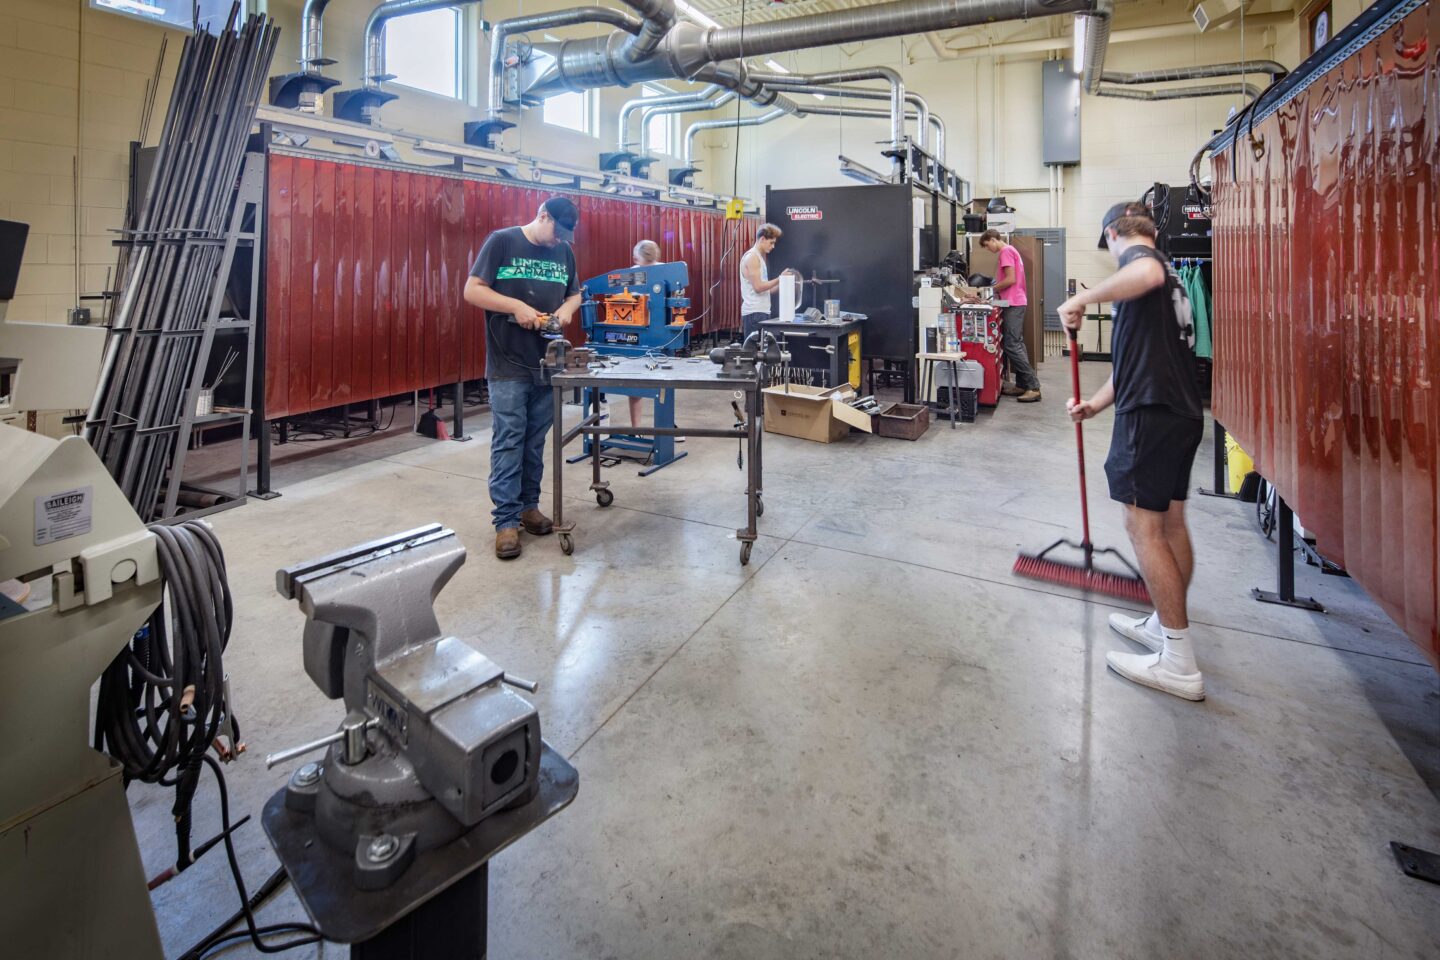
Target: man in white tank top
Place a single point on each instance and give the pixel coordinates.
(756, 286)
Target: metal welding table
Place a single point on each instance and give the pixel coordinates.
(635, 373)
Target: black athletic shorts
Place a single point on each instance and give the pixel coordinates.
(1151, 452)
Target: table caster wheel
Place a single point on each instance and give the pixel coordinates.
(604, 497)
(567, 544)
(745, 549)
(759, 507)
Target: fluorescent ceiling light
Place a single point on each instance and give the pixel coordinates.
(1079, 55)
(775, 66)
(694, 14)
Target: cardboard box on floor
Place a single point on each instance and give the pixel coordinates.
(813, 413)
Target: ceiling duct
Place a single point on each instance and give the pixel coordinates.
(1181, 93)
(897, 93)
(304, 89)
(649, 113)
(701, 125)
(687, 49)
(1268, 67)
(622, 138)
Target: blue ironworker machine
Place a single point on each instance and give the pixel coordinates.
(639, 312)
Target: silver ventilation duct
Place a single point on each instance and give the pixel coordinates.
(1181, 93)
(923, 116)
(649, 113)
(659, 17)
(1097, 42)
(687, 48)
(622, 137)
(897, 91)
(375, 31)
(312, 36)
(1268, 67)
(701, 125)
(505, 29)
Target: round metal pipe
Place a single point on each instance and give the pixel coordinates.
(1181, 93)
(375, 31)
(689, 49)
(922, 110)
(503, 30)
(649, 113)
(897, 90)
(701, 125)
(1240, 68)
(312, 35)
(1097, 42)
(622, 139)
(659, 17)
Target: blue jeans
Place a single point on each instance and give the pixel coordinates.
(520, 415)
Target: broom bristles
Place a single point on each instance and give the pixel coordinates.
(1082, 578)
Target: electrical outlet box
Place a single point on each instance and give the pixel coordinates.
(79, 316)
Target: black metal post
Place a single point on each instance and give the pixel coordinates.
(457, 431)
(1221, 463)
(259, 249)
(1285, 595)
(452, 926)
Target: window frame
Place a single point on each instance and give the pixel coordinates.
(667, 119)
(247, 7)
(589, 111)
(461, 65)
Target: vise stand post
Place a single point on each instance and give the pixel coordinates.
(436, 767)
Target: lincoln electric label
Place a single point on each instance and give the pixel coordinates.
(60, 516)
(805, 213)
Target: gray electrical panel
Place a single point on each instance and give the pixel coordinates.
(1060, 136)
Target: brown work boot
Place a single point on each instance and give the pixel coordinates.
(1010, 390)
(507, 543)
(536, 522)
(1029, 396)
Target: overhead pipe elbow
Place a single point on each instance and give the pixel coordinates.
(659, 19)
(701, 125)
(1270, 68)
(1181, 93)
(1097, 43)
(650, 113)
(375, 73)
(312, 35)
(647, 104)
(505, 29)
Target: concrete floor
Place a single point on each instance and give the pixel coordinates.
(873, 741)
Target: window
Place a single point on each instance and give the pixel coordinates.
(423, 51)
(174, 13)
(573, 111)
(659, 132)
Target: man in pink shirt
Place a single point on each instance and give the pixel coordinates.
(1010, 286)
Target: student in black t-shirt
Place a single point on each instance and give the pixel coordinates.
(1158, 427)
(521, 274)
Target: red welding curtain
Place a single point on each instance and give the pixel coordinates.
(365, 267)
(1327, 263)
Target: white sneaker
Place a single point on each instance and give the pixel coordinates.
(1145, 669)
(1143, 630)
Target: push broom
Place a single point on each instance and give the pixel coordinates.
(1082, 575)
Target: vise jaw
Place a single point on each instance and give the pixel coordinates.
(372, 638)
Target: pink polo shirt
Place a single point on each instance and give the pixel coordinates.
(1010, 257)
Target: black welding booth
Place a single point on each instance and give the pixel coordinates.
(870, 240)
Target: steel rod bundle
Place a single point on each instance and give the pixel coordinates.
(171, 286)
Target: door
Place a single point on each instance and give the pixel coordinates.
(1055, 270)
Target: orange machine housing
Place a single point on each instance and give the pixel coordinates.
(1327, 278)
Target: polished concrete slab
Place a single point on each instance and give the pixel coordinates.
(874, 740)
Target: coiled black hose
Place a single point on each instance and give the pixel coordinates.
(163, 703)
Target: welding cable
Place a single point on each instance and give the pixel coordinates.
(308, 933)
(162, 701)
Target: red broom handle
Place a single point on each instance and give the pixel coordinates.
(1080, 443)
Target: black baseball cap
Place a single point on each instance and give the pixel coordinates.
(1129, 208)
(563, 211)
